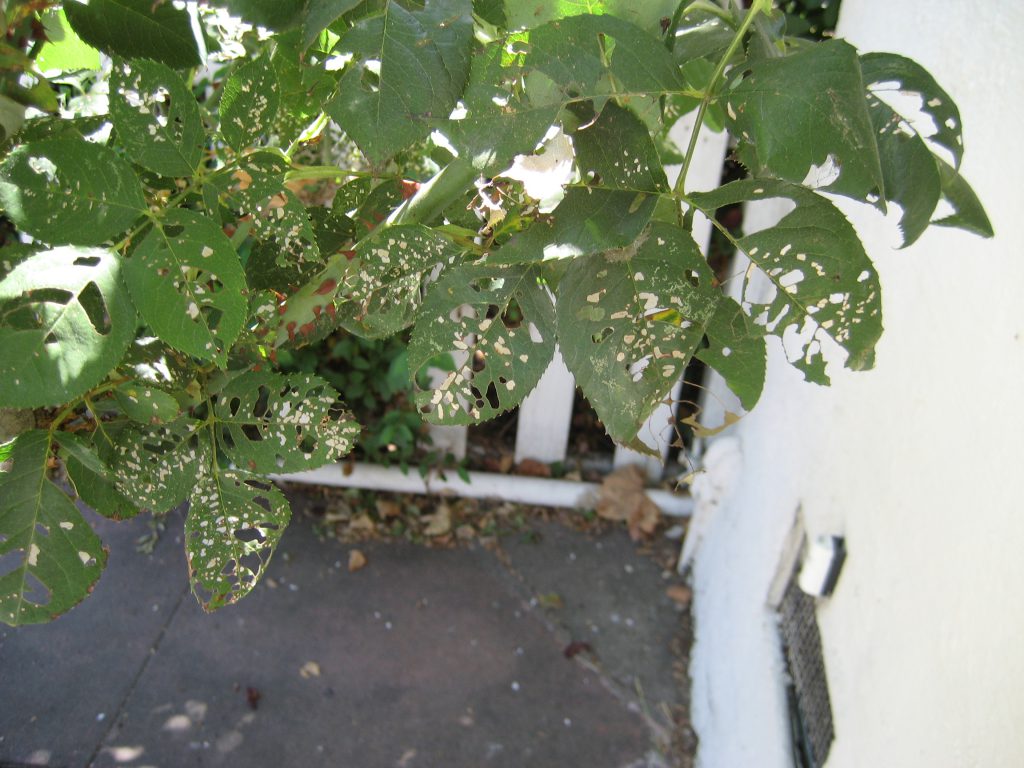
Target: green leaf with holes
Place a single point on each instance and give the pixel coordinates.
(136, 29)
(268, 422)
(156, 117)
(250, 102)
(794, 114)
(629, 321)
(146, 405)
(65, 321)
(820, 283)
(616, 151)
(386, 110)
(69, 191)
(156, 466)
(498, 323)
(889, 73)
(736, 349)
(234, 523)
(189, 285)
(92, 479)
(391, 264)
(56, 557)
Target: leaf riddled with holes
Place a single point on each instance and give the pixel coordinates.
(156, 117)
(66, 321)
(630, 320)
(234, 523)
(267, 422)
(189, 285)
(136, 28)
(388, 105)
(250, 103)
(499, 324)
(822, 284)
(156, 466)
(67, 191)
(390, 265)
(51, 558)
(911, 176)
(801, 111)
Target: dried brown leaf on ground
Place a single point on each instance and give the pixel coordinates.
(439, 523)
(356, 560)
(622, 497)
(387, 508)
(533, 468)
(680, 594)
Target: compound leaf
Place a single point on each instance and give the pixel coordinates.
(499, 324)
(55, 555)
(234, 523)
(70, 191)
(156, 117)
(189, 285)
(67, 320)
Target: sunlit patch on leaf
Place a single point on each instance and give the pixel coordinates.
(499, 324)
(234, 523)
(268, 422)
(49, 556)
(65, 321)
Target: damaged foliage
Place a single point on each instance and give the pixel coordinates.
(489, 175)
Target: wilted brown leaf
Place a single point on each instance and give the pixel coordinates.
(680, 594)
(387, 508)
(622, 497)
(356, 560)
(439, 523)
(533, 468)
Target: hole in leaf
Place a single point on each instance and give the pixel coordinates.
(603, 334)
(249, 534)
(492, 396)
(49, 295)
(479, 361)
(35, 592)
(87, 261)
(95, 308)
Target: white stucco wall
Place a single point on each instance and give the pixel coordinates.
(918, 463)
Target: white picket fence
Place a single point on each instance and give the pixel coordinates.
(544, 422)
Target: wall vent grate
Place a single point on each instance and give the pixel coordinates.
(811, 709)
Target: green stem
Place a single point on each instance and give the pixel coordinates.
(758, 7)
